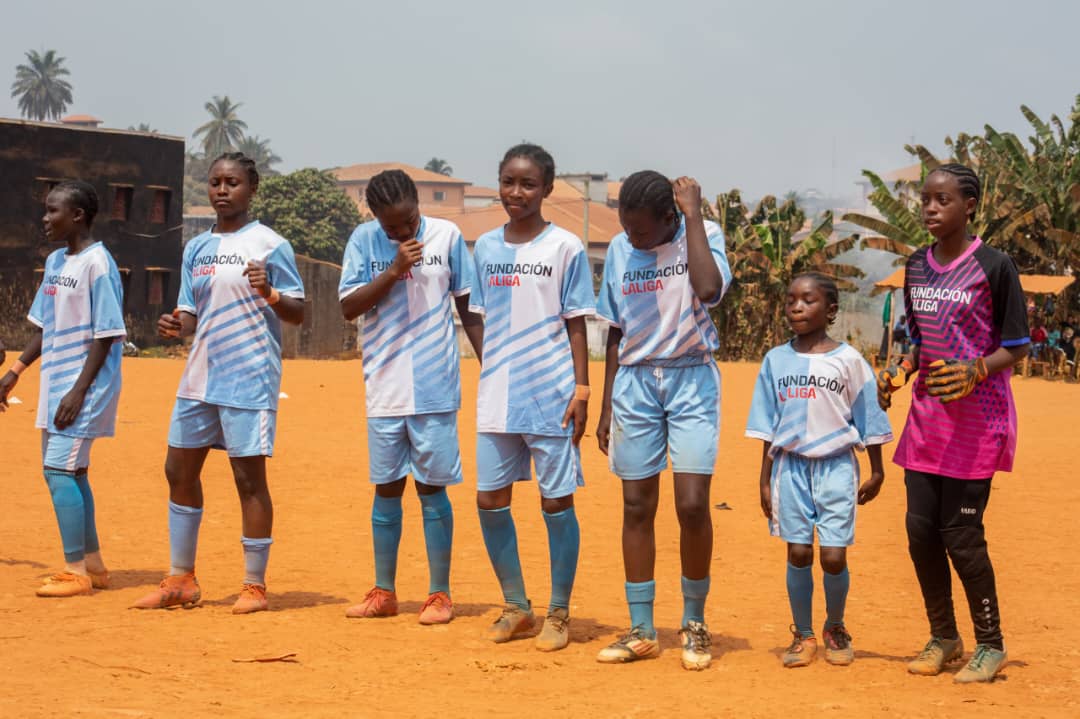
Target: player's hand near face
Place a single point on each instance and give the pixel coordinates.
(409, 253)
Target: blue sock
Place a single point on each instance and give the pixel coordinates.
(800, 590)
(439, 538)
(386, 534)
(183, 537)
(836, 589)
(500, 538)
(694, 592)
(640, 597)
(90, 541)
(68, 504)
(256, 555)
(564, 542)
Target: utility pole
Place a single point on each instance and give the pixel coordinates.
(585, 215)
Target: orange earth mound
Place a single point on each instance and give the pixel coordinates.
(91, 656)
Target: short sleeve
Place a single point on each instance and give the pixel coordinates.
(107, 304)
(577, 297)
(462, 269)
(719, 253)
(764, 412)
(355, 267)
(1010, 309)
(37, 309)
(869, 419)
(476, 296)
(283, 273)
(186, 299)
(607, 304)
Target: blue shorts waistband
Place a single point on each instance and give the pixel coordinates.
(684, 361)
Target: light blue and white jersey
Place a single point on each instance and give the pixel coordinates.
(526, 292)
(235, 360)
(81, 299)
(647, 294)
(817, 405)
(411, 363)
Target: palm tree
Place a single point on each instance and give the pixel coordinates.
(259, 150)
(38, 85)
(439, 165)
(224, 130)
(766, 249)
(142, 127)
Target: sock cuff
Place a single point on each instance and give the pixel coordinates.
(181, 509)
(256, 542)
(51, 473)
(842, 573)
(637, 592)
(807, 569)
(697, 588)
(386, 509)
(556, 516)
(435, 505)
(494, 512)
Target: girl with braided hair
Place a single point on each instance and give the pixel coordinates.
(968, 326)
(238, 282)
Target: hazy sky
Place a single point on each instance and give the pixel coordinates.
(762, 95)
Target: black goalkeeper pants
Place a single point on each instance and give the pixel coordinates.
(945, 521)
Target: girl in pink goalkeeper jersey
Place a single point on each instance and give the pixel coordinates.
(968, 327)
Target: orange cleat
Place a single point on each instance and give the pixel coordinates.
(99, 580)
(175, 590)
(252, 599)
(378, 602)
(438, 609)
(65, 584)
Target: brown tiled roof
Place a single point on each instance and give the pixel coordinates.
(613, 189)
(564, 209)
(479, 191)
(365, 171)
(80, 118)
(911, 173)
(200, 211)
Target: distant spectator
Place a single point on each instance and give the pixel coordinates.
(1049, 306)
(900, 334)
(1039, 337)
(1065, 344)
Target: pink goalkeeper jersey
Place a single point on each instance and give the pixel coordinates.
(962, 310)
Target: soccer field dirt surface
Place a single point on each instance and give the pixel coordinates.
(92, 656)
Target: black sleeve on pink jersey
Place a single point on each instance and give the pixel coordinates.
(914, 333)
(1010, 308)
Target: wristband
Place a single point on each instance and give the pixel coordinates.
(906, 366)
(17, 368)
(582, 392)
(274, 297)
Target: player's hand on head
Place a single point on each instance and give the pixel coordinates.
(687, 194)
(257, 277)
(871, 487)
(68, 409)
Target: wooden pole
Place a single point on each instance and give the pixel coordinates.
(888, 347)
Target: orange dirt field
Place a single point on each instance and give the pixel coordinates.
(91, 656)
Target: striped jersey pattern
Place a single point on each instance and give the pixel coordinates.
(647, 294)
(411, 361)
(526, 292)
(964, 310)
(80, 300)
(235, 359)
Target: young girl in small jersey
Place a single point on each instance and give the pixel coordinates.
(662, 394)
(79, 310)
(813, 406)
(400, 272)
(968, 326)
(238, 282)
(534, 289)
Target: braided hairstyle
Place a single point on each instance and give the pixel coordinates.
(389, 188)
(244, 161)
(535, 154)
(826, 284)
(81, 195)
(648, 189)
(970, 186)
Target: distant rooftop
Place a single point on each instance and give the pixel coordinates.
(365, 171)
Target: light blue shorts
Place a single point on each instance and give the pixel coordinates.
(502, 459)
(58, 451)
(240, 432)
(424, 445)
(809, 493)
(659, 410)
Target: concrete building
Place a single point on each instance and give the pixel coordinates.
(139, 182)
(434, 190)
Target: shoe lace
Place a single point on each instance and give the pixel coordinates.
(796, 639)
(700, 638)
(438, 598)
(557, 621)
(637, 632)
(932, 647)
(840, 637)
(982, 653)
(507, 613)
